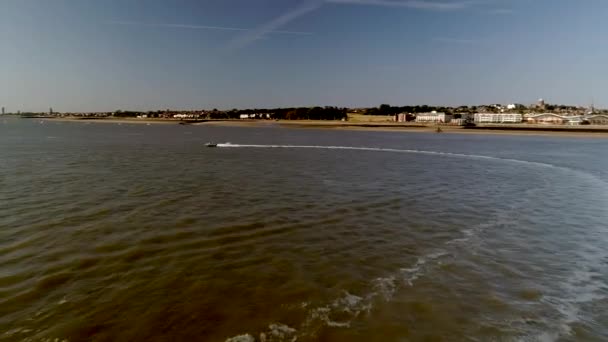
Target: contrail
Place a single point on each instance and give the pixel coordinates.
(280, 21)
(203, 27)
(415, 4)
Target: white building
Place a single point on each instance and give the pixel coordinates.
(555, 119)
(575, 120)
(255, 116)
(434, 117)
(547, 118)
(185, 116)
(401, 117)
(599, 119)
(497, 118)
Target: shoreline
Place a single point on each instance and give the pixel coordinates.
(111, 120)
(521, 129)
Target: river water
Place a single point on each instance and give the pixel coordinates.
(130, 232)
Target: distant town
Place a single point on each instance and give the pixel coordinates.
(537, 113)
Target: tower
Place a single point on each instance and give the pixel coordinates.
(3, 111)
(541, 104)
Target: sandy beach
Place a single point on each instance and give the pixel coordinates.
(521, 129)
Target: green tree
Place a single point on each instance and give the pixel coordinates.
(385, 109)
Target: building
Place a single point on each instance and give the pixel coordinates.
(467, 116)
(591, 110)
(598, 119)
(497, 118)
(401, 117)
(186, 116)
(404, 117)
(575, 120)
(464, 119)
(434, 117)
(548, 118)
(3, 111)
(541, 104)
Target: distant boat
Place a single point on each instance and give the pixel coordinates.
(210, 144)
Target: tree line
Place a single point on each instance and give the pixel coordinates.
(386, 109)
(299, 113)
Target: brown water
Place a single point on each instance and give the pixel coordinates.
(138, 233)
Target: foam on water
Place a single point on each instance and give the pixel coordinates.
(385, 288)
(584, 286)
(279, 332)
(410, 274)
(276, 332)
(349, 306)
(581, 288)
(241, 338)
(572, 293)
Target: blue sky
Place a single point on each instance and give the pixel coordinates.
(98, 55)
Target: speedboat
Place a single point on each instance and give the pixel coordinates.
(210, 144)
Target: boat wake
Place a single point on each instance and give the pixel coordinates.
(346, 309)
(579, 173)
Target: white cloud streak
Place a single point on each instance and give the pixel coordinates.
(204, 27)
(307, 6)
(273, 25)
(456, 40)
(414, 4)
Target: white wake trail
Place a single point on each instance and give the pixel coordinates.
(381, 149)
(410, 151)
(386, 287)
